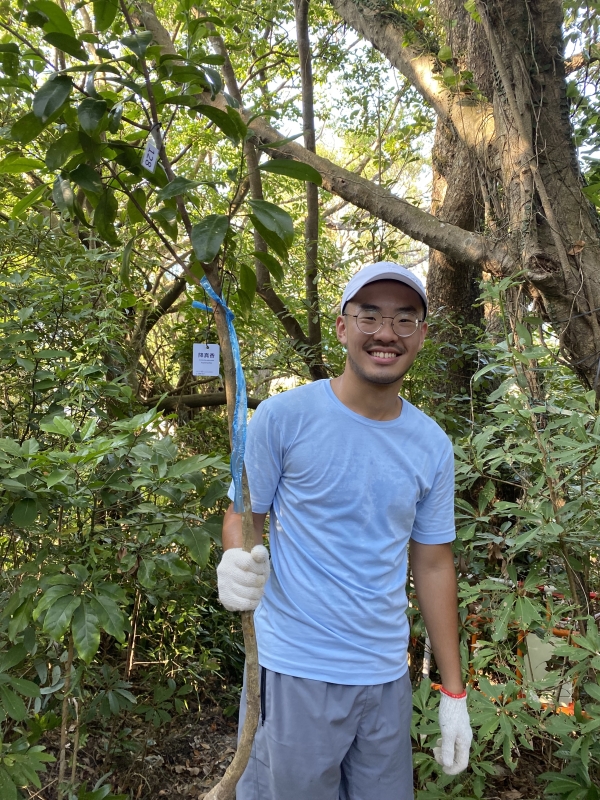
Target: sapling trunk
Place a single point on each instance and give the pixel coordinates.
(225, 788)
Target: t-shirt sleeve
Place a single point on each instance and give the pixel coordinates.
(263, 459)
(434, 520)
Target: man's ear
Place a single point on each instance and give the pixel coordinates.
(340, 330)
(424, 328)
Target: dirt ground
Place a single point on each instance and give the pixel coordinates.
(191, 758)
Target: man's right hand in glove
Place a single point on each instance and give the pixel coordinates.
(242, 577)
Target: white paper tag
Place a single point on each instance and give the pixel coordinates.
(206, 359)
(150, 156)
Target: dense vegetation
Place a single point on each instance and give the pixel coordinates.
(114, 456)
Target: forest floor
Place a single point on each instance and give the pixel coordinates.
(197, 749)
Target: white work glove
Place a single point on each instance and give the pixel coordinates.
(452, 752)
(242, 576)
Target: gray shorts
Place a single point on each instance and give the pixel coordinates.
(326, 741)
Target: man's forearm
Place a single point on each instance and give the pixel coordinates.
(434, 576)
(232, 528)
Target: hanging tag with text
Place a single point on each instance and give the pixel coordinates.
(206, 360)
(150, 156)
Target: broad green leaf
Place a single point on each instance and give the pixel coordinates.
(12, 704)
(167, 220)
(12, 657)
(8, 790)
(272, 239)
(68, 44)
(139, 196)
(207, 236)
(138, 43)
(292, 169)
(87, 178)
(27, 128)
(445, 53)
(62, 194)
(177, 186)
(58, 616)
(197, 541)
(124, 273)
(28, 201)
(145, 573)
(109, 616)
(50, 596)
(9, 47)
(271, 263)
(114, 117)
(215, 81)
(274, 219)
(14, 164)
(105, 12)
(23, 686)
(56, 476)
(51, 96)
(222, 120)
(91, 114)
(105, 214)
(25, 512)
(60, 150)
(86, 632)
(60, 425)
(248, 281)
(58, 21)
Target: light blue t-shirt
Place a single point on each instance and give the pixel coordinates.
(346, 494)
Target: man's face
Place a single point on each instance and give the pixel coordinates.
(382, 357)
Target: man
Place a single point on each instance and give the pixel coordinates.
(352, 475)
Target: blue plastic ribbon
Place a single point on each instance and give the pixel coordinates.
(240, 414)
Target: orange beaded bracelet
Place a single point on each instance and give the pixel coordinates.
(454, 696)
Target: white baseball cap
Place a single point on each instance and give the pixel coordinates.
(382, 271)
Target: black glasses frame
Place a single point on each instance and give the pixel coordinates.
(372, 333)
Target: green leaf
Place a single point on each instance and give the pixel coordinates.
(87, 178)
(197, 541)
(51, 96)
(58, 616)
(222, 120)
(138, 43)
(114, 117)
(292, 169)
(60, 150)
(274, 219)
(86, 632)
(207, 236)
(23, 686)
(25, 512)
(28, 201)
(273, 241)
(280, 142)
(12, 704)
(57, 22)
(445, 53)
(105, 12)
(109, 616)
(8, 790)
(27, 128)
(68, 44)
(14, 164)
(105, 214)
(91, 114)
(124, 272)
(62, 194)
(12, 657)
(178, 186)
(271, 263)
(50, 597)
(59, 425)
(145, 573)
(248, 282)
(167, 219)
(134, 214)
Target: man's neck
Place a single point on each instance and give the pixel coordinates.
(372, 400)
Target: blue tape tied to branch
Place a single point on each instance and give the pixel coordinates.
(240, 414)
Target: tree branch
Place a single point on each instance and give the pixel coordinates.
(194, 401)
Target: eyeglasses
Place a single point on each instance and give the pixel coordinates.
(403, 324)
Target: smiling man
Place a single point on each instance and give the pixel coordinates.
(353, 476)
